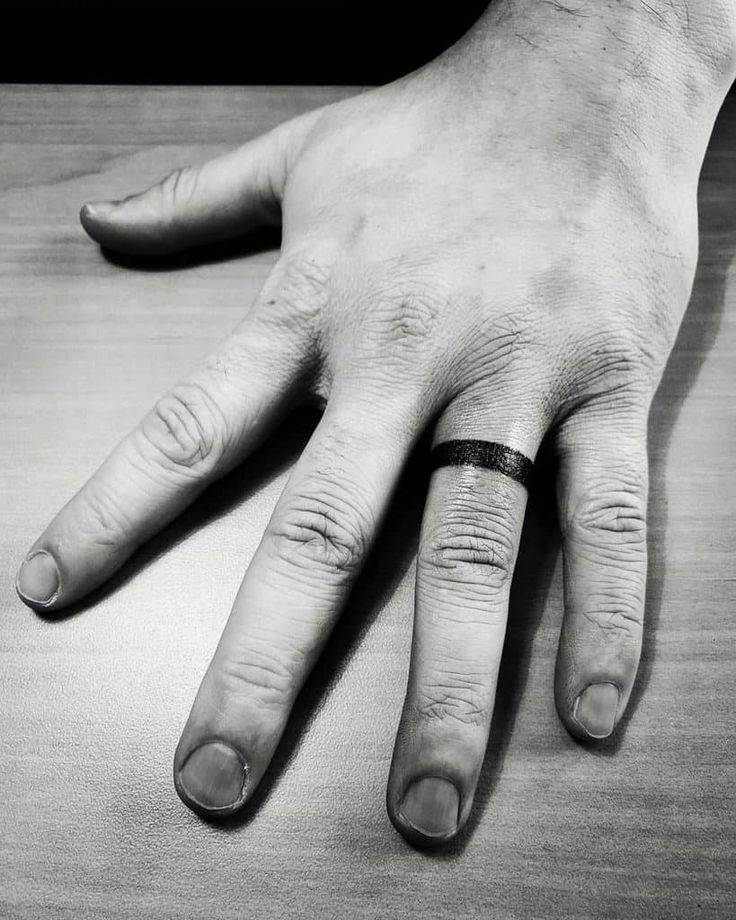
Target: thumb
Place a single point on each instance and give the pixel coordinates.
(194, 205)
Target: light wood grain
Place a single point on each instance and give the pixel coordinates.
(91, 706)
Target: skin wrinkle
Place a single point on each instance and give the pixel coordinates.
(610, 604)
(188, 438)
(441, 614)
(479, 594)
(622, 487)
(298, 290)
(269, 647)
(475, 682)
(609, 590)
(459, 535)
(266, 674)
(256, 686)
(150, 477)
(440, 702)
(468, 516)
(399, 324)
(173, 199)
(560, 7)
(327, 530)
(105, 520)
(610, 516)
(625, 564)
(489, 574)
(190, 448)
(315, 532)
(616, 625)
(285, 578)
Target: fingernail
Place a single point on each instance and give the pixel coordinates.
(595, 709)
(96, 210)
(214, 777)
(38, 580)
(430, 805)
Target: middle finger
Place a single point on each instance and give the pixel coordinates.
(315, 543)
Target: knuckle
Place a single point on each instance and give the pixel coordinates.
(615, 358)
(455, 698)
(618, 614)
(621, 350)
(185, 430)
(176, 191)
(297, 291)
(101, 518)
(405, 319)
(319, 533)
(502, 353)
(609, 510)
(479, 553)
(507, 339)
(400, 332)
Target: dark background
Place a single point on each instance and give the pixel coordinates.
(224, 41)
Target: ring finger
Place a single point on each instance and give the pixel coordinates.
(468, 546)
(316, 541)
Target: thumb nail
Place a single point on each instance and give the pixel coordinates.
(96, 210)
(213, 777)
(595, 709)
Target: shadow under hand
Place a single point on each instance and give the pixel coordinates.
(248, 244)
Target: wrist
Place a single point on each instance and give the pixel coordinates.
(645, 77)
(673, 37)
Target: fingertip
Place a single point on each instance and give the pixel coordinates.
(593, 714)
(38, 581)
(131, 226)
(93, 211)
(595, 709)
(212, 779)
(428, 813)
(94, 215)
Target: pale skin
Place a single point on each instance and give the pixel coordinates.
(501, 246)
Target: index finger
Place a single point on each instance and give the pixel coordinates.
(197, 432)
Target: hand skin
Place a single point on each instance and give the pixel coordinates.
(501, 245)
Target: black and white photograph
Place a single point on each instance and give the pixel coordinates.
(367, 450)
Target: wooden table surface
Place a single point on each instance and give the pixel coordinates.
(91, 705)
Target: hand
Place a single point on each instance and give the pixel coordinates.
(480, 255)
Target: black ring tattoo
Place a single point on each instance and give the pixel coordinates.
(488, 454)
